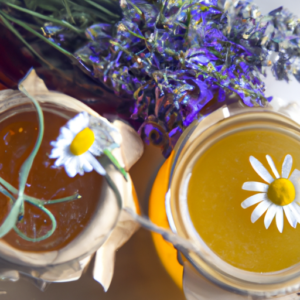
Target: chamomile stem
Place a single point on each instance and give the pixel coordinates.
(116, 163)
(40, 204)
(7, 194)
(48, 234)
(66, 199)
(8, 186)
(26, 167)
(32, 200)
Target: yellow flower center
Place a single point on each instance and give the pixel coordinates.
(281, 192)
(82, 141)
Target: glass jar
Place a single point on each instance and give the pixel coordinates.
(207, 276)
(100, 232)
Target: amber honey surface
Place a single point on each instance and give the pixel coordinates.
(18, 134)
(215, 195)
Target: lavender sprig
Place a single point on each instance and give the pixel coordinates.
(177, 58)
(181, 59)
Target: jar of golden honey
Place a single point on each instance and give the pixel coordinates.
(232, 189)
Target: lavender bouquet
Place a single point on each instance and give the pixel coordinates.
(182, 59)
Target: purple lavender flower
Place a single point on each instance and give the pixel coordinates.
(177, 58)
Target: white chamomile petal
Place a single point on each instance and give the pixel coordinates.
(101, 124)
(61, 143)
(62, 160)
(259, 210)
(261, 170)
(296, 207)
(104, 140)
(278, 198)
(117, 137)
(66, 135)
(76, 152)
(279, 218)
(272, 165)
(71, 167)
(56, 152)
(295, 211)
(95, 149)
(290, 216)
(295, 176)
(287, 166)
(79, 122)
(77, 165)
(95, 163)
(270, 215)
(254, 186)
(87, 167)
(254, 200)
(295, 179)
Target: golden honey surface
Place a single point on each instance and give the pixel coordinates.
(215, 195)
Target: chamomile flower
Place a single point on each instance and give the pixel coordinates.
(276, 196)
(80, 140)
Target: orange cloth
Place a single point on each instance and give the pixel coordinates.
(157, 213)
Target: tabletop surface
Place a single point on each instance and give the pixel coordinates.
(139, 275)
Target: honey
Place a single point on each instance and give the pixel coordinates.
(18, 133)
(215, 195)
